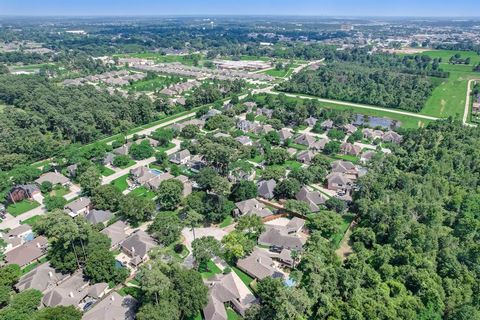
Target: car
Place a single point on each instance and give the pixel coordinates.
(88, 305)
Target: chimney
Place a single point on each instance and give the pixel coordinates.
(70, 294)
(112, 297)
(50, 274)
(38, 245)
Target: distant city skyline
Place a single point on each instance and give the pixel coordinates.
(345, 8)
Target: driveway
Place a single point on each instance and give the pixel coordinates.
(200, 233)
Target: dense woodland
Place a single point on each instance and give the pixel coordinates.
(363, 85)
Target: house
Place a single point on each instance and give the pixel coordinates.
(210, 113)
(392, 136)
(306, 140)
(98, 216)
(295, 225)
(265, 188)
(350, 149)
(226, 289)
(250, 105)
(72, 170)
(137, 245)
(157, 180)
(41, 278)
(285, 134)
(17, 236)
(367, 156)
(263, 129)
(265, 112)
(327, 124)
(54, 178)
(251, 207)
(246, 125)
(314, 199)
(116, 232)
(278, 238)
(311, 121)
(372, 134)
(27, 252)
(320, 144)
(349, 128)
(77, 207)
(113, 307)
(23, 192)
(337, 181)
(244, 140)
(187, 185)
(259, 265)
(346, 167)
(123, 150)
(108, 159)
(142, 175)
(180, 157)
(306, 156)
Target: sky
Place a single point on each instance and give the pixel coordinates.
(423, 8)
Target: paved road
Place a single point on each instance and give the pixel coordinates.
(467, 103)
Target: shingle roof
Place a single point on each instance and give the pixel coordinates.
(41, 278)
(52, 177)
(139, 242)
(112, 307)
(27, 252)
(98, 216)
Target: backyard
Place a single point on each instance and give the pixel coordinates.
(121, 182)
(16, 209)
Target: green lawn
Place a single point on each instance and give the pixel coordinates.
(22, 207)
(336, 238)
(448, 98)
(60, 191)
(133, 291)
(346, 157)
(31, 221)
(129, 164)
(292, 164)
(261, 118)
(121, 182)
(161, 58)
(276, 73)
(144, 192)
(232, 315)
(298, 146)
(226, 222)
(243, 276)
(105, 171)
(258, 159)
(209, 270)
(33, 265)
(168, 147)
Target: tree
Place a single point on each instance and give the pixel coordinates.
(304, 176)
(46, 187)
(9, 275)
(332, 147)
(90, 180)
(244, 190)
(192, 219)
(336, 134)
(121, 161)
(205, 248)
(205, 177)
(276, 173)
(237, 245)
(107, 197)
(191, 291)
(297, 207)
(54, 202)
(276, 156)
(286, 189)
(273, 137)
(166, 227)
(190, 131)
(161, 158)
(136, 208)
(164, 309)
(141, 151)
(169, 194)
(100, 266)
(22, 305)
(327, 223)
(59, 313)
(336, 204)
(251, 225)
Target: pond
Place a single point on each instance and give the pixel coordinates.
(376, 122)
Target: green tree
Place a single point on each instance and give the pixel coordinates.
(244, 190)
(205, 248)
(121, 161)
(107, 197)
(237, 245)
(166, 227)
(59, 313)
(90, 180)
(136, 208)
(276, 156)
(141, 151)
(192, 219)
(327, 223)
(286, 189)
(251, 225)
(54, 202)
(169, 194)
(297, 207)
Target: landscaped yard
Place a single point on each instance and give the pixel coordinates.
(33, 265)
(60, 191)
(30, 221)
(168, 147)
(143, 192)
(162, 58)
(243, 276)
(226, 222)
(129, 164)
(154, 84)
(232, 315)
(105, 171)
(346, 157)
(209, 269)
(121, 182)
(22, 207)
(292, 164)
(336, 238)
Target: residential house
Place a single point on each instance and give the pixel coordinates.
(337, 181)
(226, 289)
(180, 157)
(98, 216)
(350, 149)
(327, 124)
(77, 207)
(244, 140)
(278, 238)
(123, 150)
(246, 125)
(116, 232)
(252, 207)
(372, 134)
(250, 105)
(210, 113)
(392, 136)
(263, 129)
(157, 180)
(137, 246)
(346, 167)
(108, 159)
(314, 199)
(259, 265)
(28, 252)
(41, 278)
(265, 188)
(285, 134)
(72, 170)
(349, 128)
(306, 156)
(23, 192)
(142, 175)
(306, 140)
(54, 178)
(113, 307)
(367, 156)
(311, 121)
(17, 236)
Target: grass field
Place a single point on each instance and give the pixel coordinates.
(121, 182)
(448, 98)
(232, 315)
(188, 60)
(129, 164)
(105, 171)
(60, 191)
(144, 192)
(226, 222)
(30, 221)
(336, 238)
(22, 207)
(209, 270)
(33, 265)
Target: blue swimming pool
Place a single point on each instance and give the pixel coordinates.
(156, 172)
(289, 282)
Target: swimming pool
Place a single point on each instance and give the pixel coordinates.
(289, 282)
(156, 172)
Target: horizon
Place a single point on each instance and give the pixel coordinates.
(300, 8)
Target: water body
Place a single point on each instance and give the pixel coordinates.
(376, 122)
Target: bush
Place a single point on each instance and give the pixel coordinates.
(46, 187)
(178, 248)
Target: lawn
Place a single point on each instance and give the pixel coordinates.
(144, 192)
(347, 157)
(448, 98)
(226, 222)
(243, 276)
(232, 315)
(129, 164)
(133, 291)
(22, 207)
(105, 171)
(261, 118)
(121, 182)
(337, 237)
(30, 221)
(168, 147)
(292, 164)
(33, 265)
(298, 146)
(258, 159)
(188, 60)
(209, 269)
(276, 73)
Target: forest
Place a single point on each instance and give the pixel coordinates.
(416, 247)
(377, 87)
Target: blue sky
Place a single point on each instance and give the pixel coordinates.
(242, 7)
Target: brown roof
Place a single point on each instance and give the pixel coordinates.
(27, 252)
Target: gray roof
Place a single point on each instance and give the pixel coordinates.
(253, 206)
(112, 307)
(78, 204)
(21, 229)
(28, 252)
(116, 232)
(278, 237)
(138, 243)
(258, 264)
(338, 178)
(69, 293)
(41, 278)
(266, 187)
(53, 177)
(98, 216)
(312, 198)
(343, 166)
(179, 156)
(97, 290)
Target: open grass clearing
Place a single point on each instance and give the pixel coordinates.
(226, 222)
(33, 265)
(121, 182)
(105, 171)
(144, 192)
(31, 221)
(337, 237)
(209, 269)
